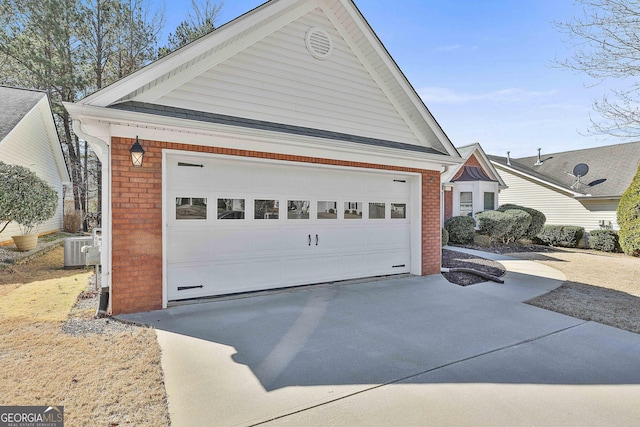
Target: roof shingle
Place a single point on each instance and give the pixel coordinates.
(15, 104)
(611, 168)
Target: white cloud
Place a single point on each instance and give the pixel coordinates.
(432, 95)
(449, 48)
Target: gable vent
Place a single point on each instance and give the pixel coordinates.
(319, 43)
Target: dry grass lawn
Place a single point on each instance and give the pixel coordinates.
(601, 287)
(106, 380)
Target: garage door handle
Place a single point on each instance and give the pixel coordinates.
(309, 239)
(316, 240)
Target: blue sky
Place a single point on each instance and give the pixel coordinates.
(483, 68)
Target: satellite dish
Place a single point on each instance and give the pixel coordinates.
(581, 169)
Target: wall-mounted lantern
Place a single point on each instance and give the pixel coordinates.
(137, 153)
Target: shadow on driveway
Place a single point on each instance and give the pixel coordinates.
(408, 329)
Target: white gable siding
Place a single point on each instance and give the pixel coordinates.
(278, 80)
(559, 208)
(28, 145)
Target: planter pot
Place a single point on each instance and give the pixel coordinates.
(25, 243)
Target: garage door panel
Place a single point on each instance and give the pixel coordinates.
(222, 256)
(188, 244)
(188, 177)
(188, 281)
(387, 237)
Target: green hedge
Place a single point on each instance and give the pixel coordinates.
(604, 240)
(445, 237)
(461, 229)
(566, 236)
(537, 219)
(507, 226)
(628, 215)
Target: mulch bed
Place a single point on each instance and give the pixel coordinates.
(455, 259)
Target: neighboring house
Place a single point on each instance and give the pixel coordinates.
(284, 148)
(28, 138)
(552, 183)
(472, 186)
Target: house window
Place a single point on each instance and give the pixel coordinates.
(376, 210)
(466, 203)
(230, 208)
(352, 210)
(399, 210)
(298, 209)
(191, 208)
(266, 209)
(489, 201)
(327, 210)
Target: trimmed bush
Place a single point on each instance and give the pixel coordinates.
(628, 214)
(521, 222)
(461, 229)
(445, 237)
(493, 224)
(604, 240)
(507, 226)
(566, 236)
(482, 240)
(537, 219)
(25, 198)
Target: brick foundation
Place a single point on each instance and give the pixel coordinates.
(137, 218)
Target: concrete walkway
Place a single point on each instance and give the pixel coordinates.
(401, 351)
(524, 279)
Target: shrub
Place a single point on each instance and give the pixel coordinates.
(25, 198)
(507, 226)
(628, 214)
(445, 237)
(492, 223)
(604, 240)
(460, 228)
(566, 236)
(72, 221)
(482, 240)
(521, 221)
(537, 219)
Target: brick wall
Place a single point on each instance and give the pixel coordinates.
(472, 161)
(137, 218)
(448, 204)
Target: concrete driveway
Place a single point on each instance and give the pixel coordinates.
(400, 351)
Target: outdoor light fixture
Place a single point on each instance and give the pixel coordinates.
(137, 153)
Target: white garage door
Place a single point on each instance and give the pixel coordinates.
(238, 226)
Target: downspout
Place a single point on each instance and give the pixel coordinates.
(98, 136)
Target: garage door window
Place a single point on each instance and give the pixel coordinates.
(353, 210)
(230, 208)
(191, 208)
(327, 210)
(266, 209)
(376, 210)
(399, 210)
(298, 209)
